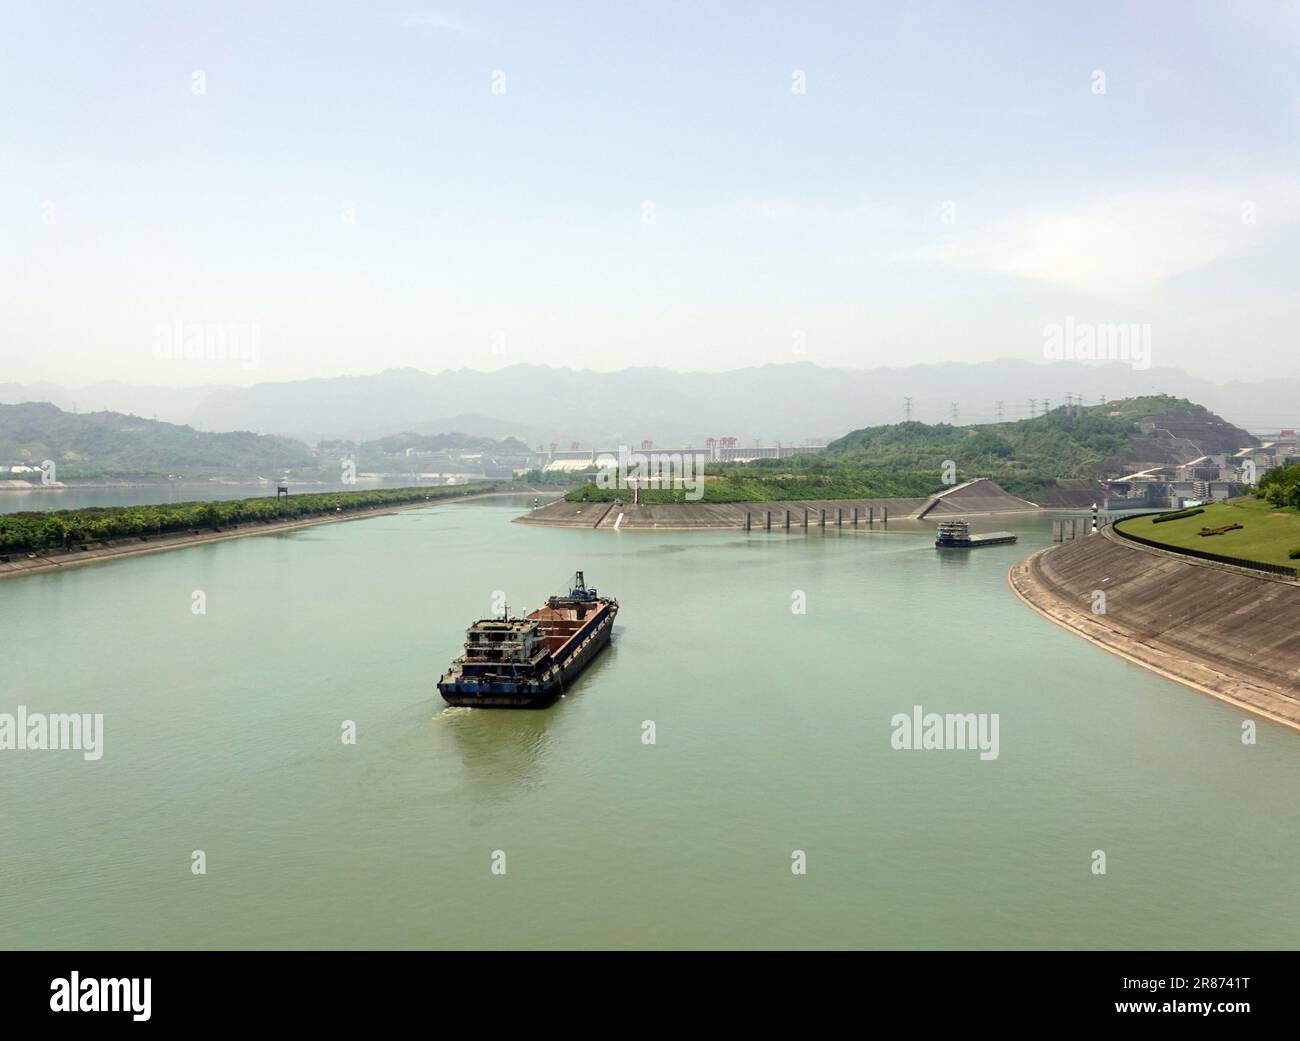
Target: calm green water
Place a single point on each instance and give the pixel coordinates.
(222, 733)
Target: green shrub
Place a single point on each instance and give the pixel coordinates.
(1179, 515)
(1281, 486)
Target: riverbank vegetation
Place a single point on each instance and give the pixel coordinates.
(31, 532)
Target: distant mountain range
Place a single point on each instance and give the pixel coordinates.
(788, 403)
(1072, 442)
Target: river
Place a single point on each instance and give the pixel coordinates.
(222, 733)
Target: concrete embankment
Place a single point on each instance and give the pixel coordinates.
(1223, 632)
(693, 516)
(114, 549)
(973, 498)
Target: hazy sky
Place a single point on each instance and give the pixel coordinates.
(368, 185)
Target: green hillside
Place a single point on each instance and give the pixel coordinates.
(1024, 456)
(909, 459)
(451, 442)
(113, 445)
(404, 452)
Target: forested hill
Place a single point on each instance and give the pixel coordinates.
(110, 444)
(1068, 442)
(425, 444)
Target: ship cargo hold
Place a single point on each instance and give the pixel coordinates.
(956, 534)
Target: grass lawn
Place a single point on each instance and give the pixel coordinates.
(1268, 534)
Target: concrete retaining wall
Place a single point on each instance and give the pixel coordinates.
(1222, 632)
(972, 499)
(697, 515)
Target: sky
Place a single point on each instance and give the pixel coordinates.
(333, 188)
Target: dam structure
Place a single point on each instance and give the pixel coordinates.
(970, 498)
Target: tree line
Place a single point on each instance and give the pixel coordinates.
(32, 531)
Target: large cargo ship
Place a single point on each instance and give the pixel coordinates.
(956, 534)
(528, 662)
